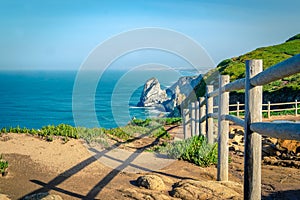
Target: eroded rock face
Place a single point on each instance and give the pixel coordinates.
(176, 99)
(191, 189)
(290, 145)
(185, 85)
(4, 197)
(274, 151)
(152, 94)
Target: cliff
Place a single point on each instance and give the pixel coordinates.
(154, 96)
(284, 90)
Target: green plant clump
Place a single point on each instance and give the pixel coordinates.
(195, 150)
(160, 133)
(162, 121)
(46, 131)
(3, 164)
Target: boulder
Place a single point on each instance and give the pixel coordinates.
(4, 197)
(151, 182)
(192, 189)
(152, 94)
(290, 145)
(145, 194)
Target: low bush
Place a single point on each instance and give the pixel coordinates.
(160, 133)
(3, 164)
(195, 150)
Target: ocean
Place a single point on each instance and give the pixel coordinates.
(34, 99)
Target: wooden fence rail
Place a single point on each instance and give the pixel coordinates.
(269, 106)
(252, 122)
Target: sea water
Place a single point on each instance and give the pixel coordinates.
(34, 99)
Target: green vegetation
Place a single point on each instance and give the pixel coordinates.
(150, 127)
(162, 121)
(47, 131)
(235, 67)
(195, 150)
(3, 164)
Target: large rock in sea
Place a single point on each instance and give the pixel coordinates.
(185, 84)
(176, 99)
(179, 91)
(152, 94)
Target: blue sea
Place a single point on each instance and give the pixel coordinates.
(34, 99)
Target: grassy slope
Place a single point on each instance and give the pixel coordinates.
(235, 67)
(287, 89)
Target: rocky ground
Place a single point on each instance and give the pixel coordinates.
(57, 170)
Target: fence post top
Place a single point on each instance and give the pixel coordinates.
(254, 60)
(225, 76)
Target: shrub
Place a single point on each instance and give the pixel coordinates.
(3, 164)
(119, 133)
(195, 150)
(160, 133)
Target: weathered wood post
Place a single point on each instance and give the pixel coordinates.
(186, 121)
(209, 110)
(192, 118)
(269, 109)
(197, 114)
(202, 114)
(223, 130)
(296, 107)
(253, 113)
(238, 109)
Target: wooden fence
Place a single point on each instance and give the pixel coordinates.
(199, 117)
(293, 106)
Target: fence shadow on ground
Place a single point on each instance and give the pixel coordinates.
(288, 195)
(53, 184)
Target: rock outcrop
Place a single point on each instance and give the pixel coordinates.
(274, 151)
(176, 99)
(151, 182)
(4, 197)
(152, 94)
(185, 85)
(192, 189)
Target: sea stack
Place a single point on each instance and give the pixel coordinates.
(152, 94)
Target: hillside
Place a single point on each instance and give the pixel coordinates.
(284, 90)
(289, 87)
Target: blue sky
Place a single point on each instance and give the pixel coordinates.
(60, 34)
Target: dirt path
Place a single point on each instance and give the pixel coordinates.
(73, 171)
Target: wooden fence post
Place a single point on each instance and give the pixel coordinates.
(186, 121)
(192, 118)
(253, 113)
(202, 114)
(296, 107)
(197, 114)
(209, 120)
(238, 109)
(269, 109)
(223, 130)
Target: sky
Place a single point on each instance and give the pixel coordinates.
(60, 34)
